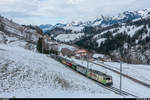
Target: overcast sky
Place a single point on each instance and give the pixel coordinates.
(38, 12)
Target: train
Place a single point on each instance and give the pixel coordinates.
(90, 73)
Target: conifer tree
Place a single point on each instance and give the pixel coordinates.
(39, 45)
(1, 27)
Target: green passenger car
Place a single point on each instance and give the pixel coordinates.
(74, 67)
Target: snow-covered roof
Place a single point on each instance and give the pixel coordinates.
(61, 46)
(98, 55)
(77, 55)
(81, 51)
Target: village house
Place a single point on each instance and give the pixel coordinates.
(48, 44)
(67, 52)
(81, 54)
(101, 57)
(98, 56)
(53, 46)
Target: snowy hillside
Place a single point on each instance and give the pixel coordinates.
(27, 74)
(69, 37)
(130, 30)
(74, 28)
(10, 29)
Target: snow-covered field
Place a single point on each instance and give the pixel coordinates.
(100, 41)
(69, 37)
(74, 28)
(141, 72)
(27, 74)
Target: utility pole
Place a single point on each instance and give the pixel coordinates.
(120, 77)
(87, 62)
(82, 58)
(42, 49)
(42, 45)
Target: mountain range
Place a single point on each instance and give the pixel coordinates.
(125, 36)
(102, 21)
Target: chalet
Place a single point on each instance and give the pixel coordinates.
(101, 57)
(77, 56)
(98, 56)
(81, 52)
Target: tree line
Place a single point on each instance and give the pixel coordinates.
(41, 49)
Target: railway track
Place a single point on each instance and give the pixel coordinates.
(118, 91)
(113, 89)
(127, 76)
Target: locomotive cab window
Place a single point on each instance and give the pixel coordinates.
(107, 78)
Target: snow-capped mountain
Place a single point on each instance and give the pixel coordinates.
(129, 41)
(60, 25)
(102, 27)
(120, 18)
(46, 27)
(103, 20)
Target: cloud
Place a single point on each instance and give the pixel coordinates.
(55, 11)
